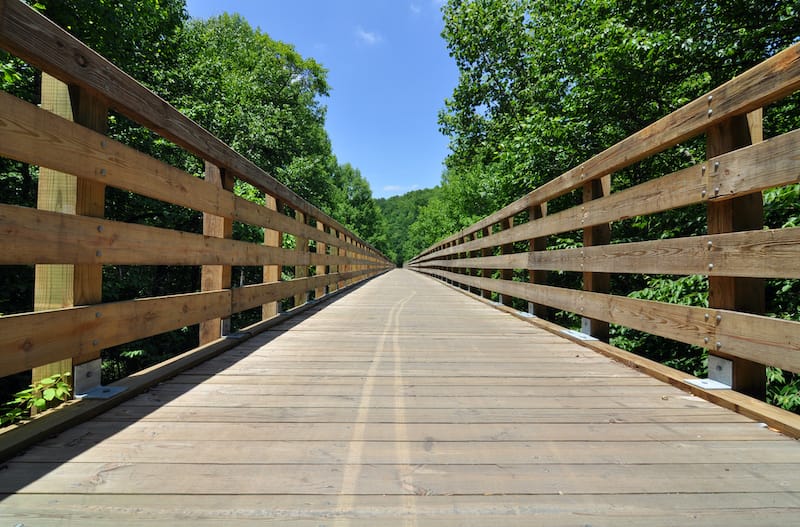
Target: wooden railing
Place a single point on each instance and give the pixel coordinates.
(69, 241)
(736, 255)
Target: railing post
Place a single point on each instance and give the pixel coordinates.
(321, 269)
(300, 271)
(343, 253)
(216, 277)
(272, 273)
(737, 214)
(596, 235)
(538, 276)
(507, 274)
(486, 251)
(58, 286)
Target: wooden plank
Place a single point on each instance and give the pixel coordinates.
(38, 137)
(250, 296)
(745, 212)
(319, 292)
(378, 480)
(216, 277)
(761, 85)
(424, 452)
(54, 285)
(46, 237)
(32, 339)
(62, 286)
(734, 509)
(776, 251)
(30, 36)
(596, 235)
(300, 271)
(271, 273)
(765, 340)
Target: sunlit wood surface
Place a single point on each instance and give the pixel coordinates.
(408, 403)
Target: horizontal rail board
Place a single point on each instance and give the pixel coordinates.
(35, 136)
(778, 341)
(42, 237)
(251, 296)
(776, 251)
(763, 84)
(34, 339)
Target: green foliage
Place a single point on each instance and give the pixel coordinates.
(400, 212)
(355, 207)
(47, 393)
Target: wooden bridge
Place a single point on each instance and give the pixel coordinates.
(388, 396)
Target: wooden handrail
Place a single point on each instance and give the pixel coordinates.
(29, 236)
(469, 257)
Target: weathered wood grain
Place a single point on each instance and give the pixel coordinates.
(33, 339)
(777, 252)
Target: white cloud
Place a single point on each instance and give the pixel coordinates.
(416, 9)
(368, 37)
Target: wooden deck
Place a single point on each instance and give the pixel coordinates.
(406, 402)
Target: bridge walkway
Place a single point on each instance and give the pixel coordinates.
(407, 402)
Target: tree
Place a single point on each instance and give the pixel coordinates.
(400, 213)
(355, 207)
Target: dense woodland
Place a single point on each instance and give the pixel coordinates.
(543, 85)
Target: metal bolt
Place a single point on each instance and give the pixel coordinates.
(710, 266)
(705, 340)
(719, 345)
(102, 144)
(707, 316)
(98, 253)
(95, 343)
(703, 169)
(716, 166)
(99, 228)
(98, 315)
(703, 193)
(716, 191)
(102, 171)
(710, 244)
(719, 318)
(710, 98)
(710, 111)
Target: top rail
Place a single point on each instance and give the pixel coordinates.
(69, 241)
(507, 254)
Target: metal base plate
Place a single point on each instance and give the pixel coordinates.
(708, 384)
(578, 334)
(101, 392)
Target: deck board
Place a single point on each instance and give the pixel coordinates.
(405, 402)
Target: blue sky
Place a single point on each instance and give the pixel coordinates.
(389, 71)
